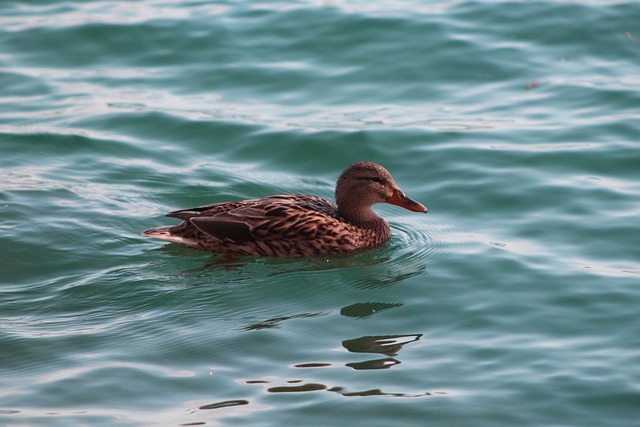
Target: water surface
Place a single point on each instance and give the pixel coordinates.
(513, 302)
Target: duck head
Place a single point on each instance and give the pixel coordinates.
(364, 184)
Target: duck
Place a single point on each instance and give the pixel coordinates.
(294, 225)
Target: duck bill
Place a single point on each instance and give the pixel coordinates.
(398, 198)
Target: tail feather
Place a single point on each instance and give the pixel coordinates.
(164, 233)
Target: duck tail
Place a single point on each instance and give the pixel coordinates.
(158, 232)
(166, 233)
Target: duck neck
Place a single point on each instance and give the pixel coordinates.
(365, 217)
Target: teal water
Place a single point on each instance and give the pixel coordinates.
(513, 302)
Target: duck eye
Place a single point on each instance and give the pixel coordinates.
(377, 179)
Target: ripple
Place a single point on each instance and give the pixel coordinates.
(224, 404)
(525, 267)
(427, 244)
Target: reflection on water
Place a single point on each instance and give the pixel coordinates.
(382, 344)
(275, 321)
(225, 404)
(366, 309)
(374, 364)
(301, 387)
(365, 258)
(216, 405)
(297, 388)
(396, 273)
(378, 392)
(312, 365)
(389, 345)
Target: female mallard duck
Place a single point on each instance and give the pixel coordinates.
(293, 225)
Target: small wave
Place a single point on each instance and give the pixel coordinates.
(425, 244)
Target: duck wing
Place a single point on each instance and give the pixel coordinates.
(290, 218)
(212, 209)
(236, 224)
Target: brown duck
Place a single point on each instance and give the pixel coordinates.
(294, 225)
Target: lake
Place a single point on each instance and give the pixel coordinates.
(514, 301)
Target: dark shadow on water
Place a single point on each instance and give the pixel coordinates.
(378, 392)
(275, 321)
(374, 364)
(366, 309)
(381, 344)
(225, 404)
(312, 365)
(297, 388)
(310, 387)
(302, 387)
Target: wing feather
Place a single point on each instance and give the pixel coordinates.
(286, 217)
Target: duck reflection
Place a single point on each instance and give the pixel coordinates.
(275, 321)
(224, 404)
(297, 388)
(378, 392)
(382, 344)
(389, 345)
(378, 279)
(385, 363)
(302, 387)
(366, 309)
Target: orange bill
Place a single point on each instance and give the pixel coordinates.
(400, 199)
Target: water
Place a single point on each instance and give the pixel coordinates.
(513, 302)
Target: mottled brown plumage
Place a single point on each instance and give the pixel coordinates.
(293, 225)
